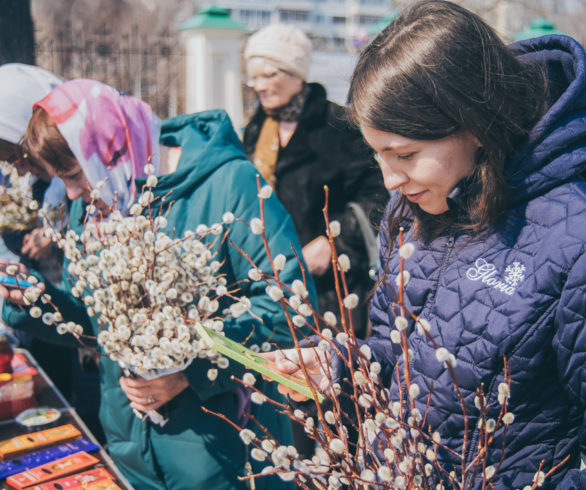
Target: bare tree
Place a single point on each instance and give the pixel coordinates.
(17, 42)
(509, 17)
(132, 45)
(512, 16)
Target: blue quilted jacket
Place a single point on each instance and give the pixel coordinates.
(517, 293)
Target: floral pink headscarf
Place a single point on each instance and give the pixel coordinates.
(112, 135)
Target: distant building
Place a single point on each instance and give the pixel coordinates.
(333, 25)
(338, 28)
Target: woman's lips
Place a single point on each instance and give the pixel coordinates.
(414, 197)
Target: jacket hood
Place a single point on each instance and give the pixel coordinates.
(208, 141)
(555, 151)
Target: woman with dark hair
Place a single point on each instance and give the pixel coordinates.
(486, 146)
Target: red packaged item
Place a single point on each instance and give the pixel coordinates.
(54, 469)
(20, 366)
(6, 354)
(17, 387)
(5, 400)
(96, 479)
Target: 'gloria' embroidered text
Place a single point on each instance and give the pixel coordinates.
(486, 272)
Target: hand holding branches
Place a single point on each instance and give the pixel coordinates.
(287, 361)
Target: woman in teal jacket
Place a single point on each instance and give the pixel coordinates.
(212, 176)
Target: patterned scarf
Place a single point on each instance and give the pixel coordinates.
(291, 111)
(268, 144)
(112, 135)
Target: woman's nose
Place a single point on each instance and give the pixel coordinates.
(259, 84)
(393, 178)
(74, 192)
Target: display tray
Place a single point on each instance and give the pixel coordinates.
(47, 395)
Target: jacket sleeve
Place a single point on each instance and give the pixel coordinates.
(569, 341)
(13, 241)
(242, 200)
(573, 480)
(70, 307)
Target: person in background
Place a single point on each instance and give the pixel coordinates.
(486, 146)
(21, 86)
(301, 142)
(204, 172)
(72, 370)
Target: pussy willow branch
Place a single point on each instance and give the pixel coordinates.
(314, 314)
(554, 469)
(334, 259)
(282, 406)
(283, 304)
(341, 306)
(356, 361)
(221, 416)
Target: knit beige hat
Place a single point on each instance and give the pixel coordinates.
(287, 47)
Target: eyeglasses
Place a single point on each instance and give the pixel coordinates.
(267, 77)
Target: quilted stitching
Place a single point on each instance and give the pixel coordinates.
(531, 308)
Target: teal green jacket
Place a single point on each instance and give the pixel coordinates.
(195, 450)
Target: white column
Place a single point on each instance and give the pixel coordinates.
(212, 76)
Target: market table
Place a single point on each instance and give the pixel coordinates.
(47, 395)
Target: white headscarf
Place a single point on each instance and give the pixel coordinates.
(20, 87)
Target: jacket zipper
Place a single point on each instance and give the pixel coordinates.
(448, 252)
(450, 242)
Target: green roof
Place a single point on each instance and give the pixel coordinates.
(539, 27)
(384, 22)
(212, 17)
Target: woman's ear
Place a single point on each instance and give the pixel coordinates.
(468, 138)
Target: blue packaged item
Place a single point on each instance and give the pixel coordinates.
(28, 461)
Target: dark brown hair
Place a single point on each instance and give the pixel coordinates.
(8, 150)
(437, 69)
(42, 141)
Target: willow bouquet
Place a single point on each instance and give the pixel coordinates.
(146, 288)
(20, 212)
(364, 437)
